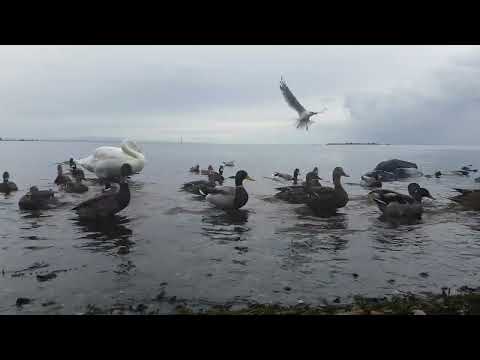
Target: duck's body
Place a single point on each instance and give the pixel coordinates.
(107, 161)
(208, 171)
(299, 194)
(283, 176)
(468, 198)
(76, 187)
(327, 200)
(230, 197)
(195, 169)
(398, 206)
(77, 174)
(7, 186)
(218, 176)
(61, 179)
(199, 186)
(109, 202)
(38, 200)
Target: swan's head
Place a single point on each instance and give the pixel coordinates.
(6, 176)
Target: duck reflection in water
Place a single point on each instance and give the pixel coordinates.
(226, 226)
(107, 234)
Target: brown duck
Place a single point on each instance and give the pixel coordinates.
(326, 200)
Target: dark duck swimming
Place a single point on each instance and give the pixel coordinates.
(109, 202)
(38, 200)
(230, 197)
(325, 201)
(61, 178)
(7, 186)
(299, 194)
(76, 186)
(75, 172)
(397, 206)
(199, 186)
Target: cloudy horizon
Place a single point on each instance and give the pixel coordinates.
(230, 94)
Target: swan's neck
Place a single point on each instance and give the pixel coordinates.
(133, 153)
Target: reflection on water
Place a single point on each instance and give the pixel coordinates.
(106, 235)
(226, 226)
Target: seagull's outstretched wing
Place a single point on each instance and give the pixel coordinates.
(290, 98)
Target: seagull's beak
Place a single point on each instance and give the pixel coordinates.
(249, 178)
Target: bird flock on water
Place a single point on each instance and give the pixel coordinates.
(113, 167)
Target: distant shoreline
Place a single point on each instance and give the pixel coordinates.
(354, 143)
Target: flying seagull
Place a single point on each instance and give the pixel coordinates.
(304, 115)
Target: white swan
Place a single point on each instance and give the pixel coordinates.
(107, 161)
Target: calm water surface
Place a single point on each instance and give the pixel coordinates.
(179, 246)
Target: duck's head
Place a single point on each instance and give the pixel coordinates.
(59, 169)
(296, 172)
(315, 170)
(413, 188)
(6, 176)
(438, 174)
(126, 170)
(71, 162)
(210, 167)
(220, 170)
(421, 193)
(240, 176)
(33, 189)
(338, 172)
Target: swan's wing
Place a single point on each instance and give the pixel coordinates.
(290, 98)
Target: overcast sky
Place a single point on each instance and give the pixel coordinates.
(230, 94)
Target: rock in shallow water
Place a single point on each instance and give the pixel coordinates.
(392, 165)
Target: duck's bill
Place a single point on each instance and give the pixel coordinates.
(249, 178)
(431, 197)
(346, 175)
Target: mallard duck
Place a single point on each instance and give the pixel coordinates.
(76, 186)
(218, 176)
(195, 169)
(300, 194)
(109, 202)
(230, 197)
(229, 163)
(468, 198)
(7, 186)
(205, 186)
(208, 171)
(77, 173)
(396, 205)
(326, 200)
(61, 179)
(37, 199)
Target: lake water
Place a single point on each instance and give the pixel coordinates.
(181, 249)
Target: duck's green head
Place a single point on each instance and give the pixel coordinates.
(240, 176)
(6, 176)
(338, 172)
(421, 193)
